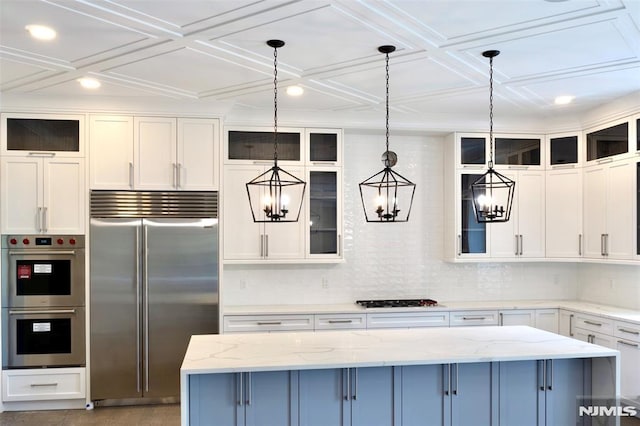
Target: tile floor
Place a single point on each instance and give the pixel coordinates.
(147, 415)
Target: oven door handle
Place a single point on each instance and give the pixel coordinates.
(46, 312)
(39, 252)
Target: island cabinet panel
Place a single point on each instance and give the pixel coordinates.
(347, 396)
(541, 392)
(242, 399)
(448, 394)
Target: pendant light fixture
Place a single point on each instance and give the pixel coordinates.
(275, 195)
(387, 196)
(493, 192)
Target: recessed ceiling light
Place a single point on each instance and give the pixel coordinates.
(295, 90)
(41, 32)
(89, 83)
(564, 99)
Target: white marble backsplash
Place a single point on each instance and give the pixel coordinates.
(405, 259)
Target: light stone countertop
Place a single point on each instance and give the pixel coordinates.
(613, 312)
(251, 352)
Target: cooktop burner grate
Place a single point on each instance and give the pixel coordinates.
(397, 303)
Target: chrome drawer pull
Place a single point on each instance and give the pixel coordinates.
(48, 312)
(629, 331)
(592, 323)
(474, 318)
(38, 385)
(635, 345)
(269, 322)
(340, 321)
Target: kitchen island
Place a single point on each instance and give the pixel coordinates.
(490, 375)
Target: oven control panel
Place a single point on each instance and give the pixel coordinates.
(42, 242)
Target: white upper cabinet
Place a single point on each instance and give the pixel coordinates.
(609, 197)
(111, 152)
(564, 236)
(608, 142)
(523, 235)
(33, 134)
(43, 195)
(313, 155)
(154, 153)
(197, 154)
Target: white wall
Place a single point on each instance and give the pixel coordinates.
(399, 259)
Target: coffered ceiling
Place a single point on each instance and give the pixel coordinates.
(214, 52)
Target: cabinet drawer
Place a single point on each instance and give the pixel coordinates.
(627, 331)
(30, 385)
(470, 318)
(252, 323)
(340, 321)
(594, 323)
(408, 320)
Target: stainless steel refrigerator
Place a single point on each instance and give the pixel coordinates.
(154, 283)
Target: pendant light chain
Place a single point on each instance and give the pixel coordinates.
(491, 112)
(275, 105)
(387, 103)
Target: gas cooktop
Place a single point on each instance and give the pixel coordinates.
(397, 303)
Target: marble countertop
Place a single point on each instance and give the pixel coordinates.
(613, 312)
(249, 352)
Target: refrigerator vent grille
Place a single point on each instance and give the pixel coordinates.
(140, 204)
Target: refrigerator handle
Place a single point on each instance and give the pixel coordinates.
(145, 310)
(138, 331)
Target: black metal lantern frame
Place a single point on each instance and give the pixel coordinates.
(387, 196)
(493, 192)
(273, 193)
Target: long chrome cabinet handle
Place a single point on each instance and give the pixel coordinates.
(348, 321)
(459, 245)
(138, 313)
(340, 245)
(45, 228)
(597, 324)
(579, 244)
(47, 312)
(269, 322)
(474, 318)
(355, 383)
(145, 282)
(175, 174)
(446, 379)
(347, 394)
(266, 245)
(240, 389)
(455, 390)
(521, 244)
(543, 367)
(629, 331)
(602, 244)
(261, 245)
(39, 252)
(39, 220)
(517, 245)
(38, 385)
(179, 180)
(550, 387)
(249, 388)
(606, 244)
(501, 318)
(131, 175)
(635, 345)
(571, 325)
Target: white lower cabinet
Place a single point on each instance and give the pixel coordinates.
(339, 321)
(473, 318)
(448, 394)
(239, 399)
(541, 393)
(253, 323)
(543, 319)
(627, 339)
(408, 320)
(43, 384)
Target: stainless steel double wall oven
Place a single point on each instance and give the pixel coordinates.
(43, 300)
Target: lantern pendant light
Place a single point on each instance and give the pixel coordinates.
(493, 192)
(387, 196)
(275, 194)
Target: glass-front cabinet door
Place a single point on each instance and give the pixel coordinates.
(472, 236)
(324, 213)
(257, 145)
(518, 150)
(563, 150)
(42, 134)
(608, 141)
(323, 147)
